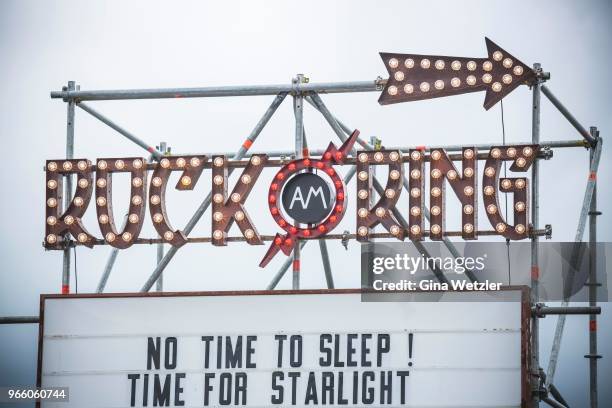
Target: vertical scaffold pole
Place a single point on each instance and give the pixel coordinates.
(68, 186)
(298, 107)
(593, 284)
(159, 284)
(535, 269)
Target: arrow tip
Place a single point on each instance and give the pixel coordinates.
(508, 73)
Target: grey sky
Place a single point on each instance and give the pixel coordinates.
(113, 44)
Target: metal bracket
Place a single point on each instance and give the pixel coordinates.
(380, 83)
(345, 239)
(548, 231)
(546, 153)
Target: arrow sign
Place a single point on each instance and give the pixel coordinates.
(415, 77)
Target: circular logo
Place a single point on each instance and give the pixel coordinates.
(307, 198)
(299, 196)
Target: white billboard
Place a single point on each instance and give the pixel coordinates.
(282, 348)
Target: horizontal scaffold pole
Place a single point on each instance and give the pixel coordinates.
(220, 91)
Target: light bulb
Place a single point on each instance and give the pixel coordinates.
(518, 70)
(186, 180)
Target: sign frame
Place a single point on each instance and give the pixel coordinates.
(524, 304)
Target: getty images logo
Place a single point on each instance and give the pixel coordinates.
(414, 264)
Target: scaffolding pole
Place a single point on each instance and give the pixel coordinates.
(449, 148)
(68, 187)
(298, 108)
(329, 277)
(570, 118)
(156, 153)
(535, 216)
(593, 356)
(110, 262)
(220, 91)
(574, 260)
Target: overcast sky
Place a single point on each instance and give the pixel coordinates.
(144, 44)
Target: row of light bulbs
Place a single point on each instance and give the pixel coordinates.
(440, 64)
(155, 199)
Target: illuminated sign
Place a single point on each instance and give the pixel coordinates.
(415, 77)
(307, 198)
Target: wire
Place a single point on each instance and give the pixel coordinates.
(76, 276)
(505, 195)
